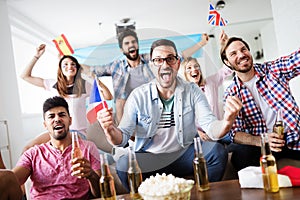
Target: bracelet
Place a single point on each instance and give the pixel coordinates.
(36, 57)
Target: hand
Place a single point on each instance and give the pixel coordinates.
(204, 136)
(105, 118)
(232, 108)
(81, 168)
(40, 50)
(276, 142)
(204, 38)
(87, 71)
(223, 38)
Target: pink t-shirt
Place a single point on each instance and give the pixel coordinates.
(51, 171)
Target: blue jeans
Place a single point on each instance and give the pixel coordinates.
(180, 164)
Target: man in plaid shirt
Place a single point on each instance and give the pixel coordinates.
(263, 90)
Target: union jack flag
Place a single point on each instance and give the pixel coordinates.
(214, 17)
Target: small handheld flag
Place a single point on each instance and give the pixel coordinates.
(96, 103)
(63, 46)
(214, 17)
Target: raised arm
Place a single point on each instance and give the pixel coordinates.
(112, 133)
(223, 38)
(26, 75)
(191, 50)
(104, 90)
(220, 128)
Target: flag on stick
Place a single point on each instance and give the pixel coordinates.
(63, 46)
(214, 17)
(96, 103)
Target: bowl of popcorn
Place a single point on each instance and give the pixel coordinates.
(166, 187)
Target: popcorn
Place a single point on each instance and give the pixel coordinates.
(161, 185)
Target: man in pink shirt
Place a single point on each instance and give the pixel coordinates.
(53, 173)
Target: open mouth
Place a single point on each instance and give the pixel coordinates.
(243, 60)
(58, 127)
(132, 50)
(166, 76)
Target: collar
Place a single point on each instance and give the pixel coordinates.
(154, 91)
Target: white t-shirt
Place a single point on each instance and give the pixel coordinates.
(77, 105)
(268, 114)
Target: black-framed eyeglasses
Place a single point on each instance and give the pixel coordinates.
(171, 60)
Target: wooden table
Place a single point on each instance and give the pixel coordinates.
(231, 190)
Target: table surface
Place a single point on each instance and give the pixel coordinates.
(231, 190)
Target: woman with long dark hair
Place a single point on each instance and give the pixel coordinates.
(69, 85)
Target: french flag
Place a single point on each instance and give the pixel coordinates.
(96, 103)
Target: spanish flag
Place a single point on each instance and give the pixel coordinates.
(63, 45)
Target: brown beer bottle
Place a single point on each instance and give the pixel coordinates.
(268, 166)
(200, 168)
(278, 125)
(76, 151)
(106, 182)
(134, 174)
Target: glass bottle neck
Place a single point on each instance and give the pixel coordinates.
(265, 145)
(105, 171)
(198, 147)
(133, 164)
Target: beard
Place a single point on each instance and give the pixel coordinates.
(245, 69)
(129, 57)
(61, 136)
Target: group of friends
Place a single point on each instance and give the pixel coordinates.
(161, 112)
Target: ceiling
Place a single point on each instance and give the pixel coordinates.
(92, 22)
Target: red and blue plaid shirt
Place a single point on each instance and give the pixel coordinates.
(273, 85)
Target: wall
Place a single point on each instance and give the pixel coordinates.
(9, 99)
(287, 29)
(286, 26)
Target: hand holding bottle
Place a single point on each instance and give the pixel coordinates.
(276, 142)
(81, 168)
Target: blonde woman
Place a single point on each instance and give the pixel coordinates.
(210, 85)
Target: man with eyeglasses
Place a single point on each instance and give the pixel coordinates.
(162, 113)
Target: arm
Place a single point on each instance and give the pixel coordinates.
(81, 167)
(223, 38)
(2, 166)
(220, 128)
(190, 51)
(104, 90)
(42, 138)
(21, 173)
(9, 185)
(113, 134)
(276, 142)
(26, 75)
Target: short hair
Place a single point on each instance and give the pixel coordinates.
(162, 42)
(228, 42)
(126, 32)
(54, 102)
